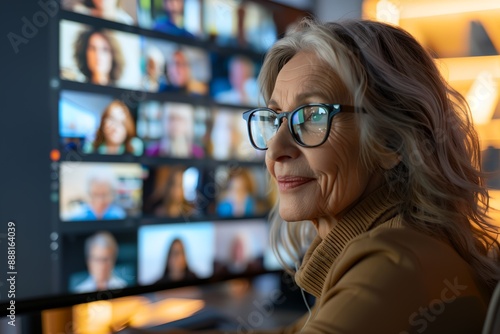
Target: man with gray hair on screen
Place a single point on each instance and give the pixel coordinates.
(101, 190)
(101, 251)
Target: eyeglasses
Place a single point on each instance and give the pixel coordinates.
(309, 124)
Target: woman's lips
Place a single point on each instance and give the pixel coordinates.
(291, 182)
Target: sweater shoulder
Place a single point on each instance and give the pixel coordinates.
(404, 251)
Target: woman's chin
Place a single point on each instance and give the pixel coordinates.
(291, 215)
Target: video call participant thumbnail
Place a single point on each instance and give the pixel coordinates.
(176, 267)
(242, 192)
(175, 252)
(100, 191)
(96, 123)
(170, 19)
(116, 132)
(97, 56)
(170, 191)
(176, 130)
(229, 138)
(239, 247)
(101, 251)
(236, 83)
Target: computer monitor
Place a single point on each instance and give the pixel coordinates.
(151, 181)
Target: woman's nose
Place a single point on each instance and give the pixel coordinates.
(282, 145)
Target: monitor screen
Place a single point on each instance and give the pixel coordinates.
(151, 169)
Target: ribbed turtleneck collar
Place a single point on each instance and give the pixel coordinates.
(376, 208)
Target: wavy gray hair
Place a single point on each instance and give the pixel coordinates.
(412, 111)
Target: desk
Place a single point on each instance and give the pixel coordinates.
(262, 302)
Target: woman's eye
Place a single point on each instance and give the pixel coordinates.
(317, 116)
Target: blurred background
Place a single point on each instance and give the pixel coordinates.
(127, 173)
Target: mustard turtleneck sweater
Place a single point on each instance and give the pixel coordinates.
(371, 274)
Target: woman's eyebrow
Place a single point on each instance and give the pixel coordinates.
(272, 103)
(302, 98)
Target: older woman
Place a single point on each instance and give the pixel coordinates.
(378, 165)
(368, 144)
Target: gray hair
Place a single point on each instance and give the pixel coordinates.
(102, 239)
(102, 175)
(410, 110)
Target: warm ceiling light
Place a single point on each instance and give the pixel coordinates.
(428, 8)
(468, 68)
(387, 12)
(483, 98)
(409, 9)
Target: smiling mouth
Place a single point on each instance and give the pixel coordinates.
(291, 182)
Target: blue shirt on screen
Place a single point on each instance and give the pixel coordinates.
(225, 208)
(164, 24)
(112, 212)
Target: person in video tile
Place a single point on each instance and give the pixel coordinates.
(239, 260)
(178, 136)
(116, 132)
(101, 250)
(106, 9)
(172, 22)
(170, 200)
(101, 187)
(99, 57)
(243, 84)
(238, 199)
(154, 79)
(179, 75)
(177, 268)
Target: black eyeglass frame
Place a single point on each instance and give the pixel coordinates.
(333, 109)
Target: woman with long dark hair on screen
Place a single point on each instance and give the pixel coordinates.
(176, 266)
(168, 198)
(116, 132)
(99, 57)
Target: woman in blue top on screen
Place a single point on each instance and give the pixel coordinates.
(243, 87)
(173, 20)
(101, 251)
(238, 200)
(116, 132)
(99, 57)
(101, 193)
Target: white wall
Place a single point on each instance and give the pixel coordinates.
(328, 10)
(332, 10)
(302, 4)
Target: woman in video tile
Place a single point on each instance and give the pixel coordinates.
(116, 132)
(177, 267)
(99, 57)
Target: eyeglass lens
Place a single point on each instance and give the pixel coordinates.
(308, 125)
